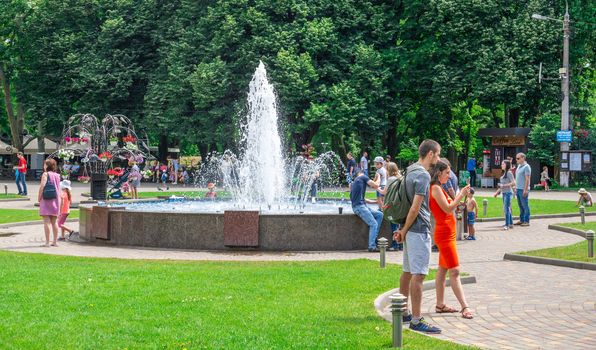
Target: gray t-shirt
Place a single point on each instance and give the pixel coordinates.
(520, 176)
(506, 182)
(418, 183)
(364, 163)
(383, 175)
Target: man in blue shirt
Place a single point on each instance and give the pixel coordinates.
(371, 217)
(472, 170)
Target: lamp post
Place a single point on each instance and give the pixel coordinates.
(564, 73)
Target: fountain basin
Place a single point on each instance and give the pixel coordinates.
(205, 231)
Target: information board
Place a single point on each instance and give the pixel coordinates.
(564, 136)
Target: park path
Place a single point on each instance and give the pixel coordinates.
(516, 305)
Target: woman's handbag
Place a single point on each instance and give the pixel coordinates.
(49, 190)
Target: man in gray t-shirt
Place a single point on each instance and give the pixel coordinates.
(522, 189)
(415, 232)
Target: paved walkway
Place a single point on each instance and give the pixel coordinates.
(516, 305)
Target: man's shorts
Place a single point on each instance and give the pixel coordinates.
(349, 179)
(417, 253)
(471, 218)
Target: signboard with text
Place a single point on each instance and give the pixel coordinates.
(564, 136)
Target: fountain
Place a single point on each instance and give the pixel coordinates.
(271, 206)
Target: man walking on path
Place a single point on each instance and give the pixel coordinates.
(415, 233)
(372, 218)
(20, 175)
(364, 163)
(522, 185)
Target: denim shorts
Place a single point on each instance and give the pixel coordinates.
(417, 253)
(379, 195)
(471, 218)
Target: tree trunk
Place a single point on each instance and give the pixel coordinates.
(392, 136)
(41, 143)
(203, 150)
(15, 125)
(163, 148)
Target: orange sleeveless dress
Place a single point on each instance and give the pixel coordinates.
(444, 233)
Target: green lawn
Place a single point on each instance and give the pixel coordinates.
(10, 196)
(19, 215)
(577, 225)
(51, 302)
(575, 252)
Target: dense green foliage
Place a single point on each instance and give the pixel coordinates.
(122, 304)
(376, 75)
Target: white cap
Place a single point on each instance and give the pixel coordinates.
(379, 159)
(65, 184)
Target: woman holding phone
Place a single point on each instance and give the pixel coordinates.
(442, 207)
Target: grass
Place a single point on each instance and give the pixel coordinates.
(10, 196)
(575, 252)
(579, 226)
(19, 215)
(89, 303)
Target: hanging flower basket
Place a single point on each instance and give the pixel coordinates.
(105, 156)
(83, 179)
(65, 154)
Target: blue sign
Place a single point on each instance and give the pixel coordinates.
(564, 136)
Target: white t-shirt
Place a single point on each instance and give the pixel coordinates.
(383, 175)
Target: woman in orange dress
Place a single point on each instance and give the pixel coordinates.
(442, 208)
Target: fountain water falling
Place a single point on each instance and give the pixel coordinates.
(260, 177)
(261, 168)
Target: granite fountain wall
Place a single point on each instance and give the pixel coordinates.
(205, 231)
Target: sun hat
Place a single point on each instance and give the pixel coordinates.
(379, 159)
(65, 184)
(582, 191)
(210, 185)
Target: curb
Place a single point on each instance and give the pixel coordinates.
(543, 216)
(14, 200)
(574, 231)
(549, 261)
(382, 301)
(27, 223)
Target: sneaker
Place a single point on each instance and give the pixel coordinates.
(505, 228)
(511, 226)
(525, 224)
(471, 238)
(373, 250)
(406, 318)
(518, 223)
(425, 327)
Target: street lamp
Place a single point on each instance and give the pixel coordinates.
(564, 72)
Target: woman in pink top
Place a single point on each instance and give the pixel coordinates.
(49, 209)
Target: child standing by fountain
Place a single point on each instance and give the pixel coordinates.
(211, 191)
(65, 200)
